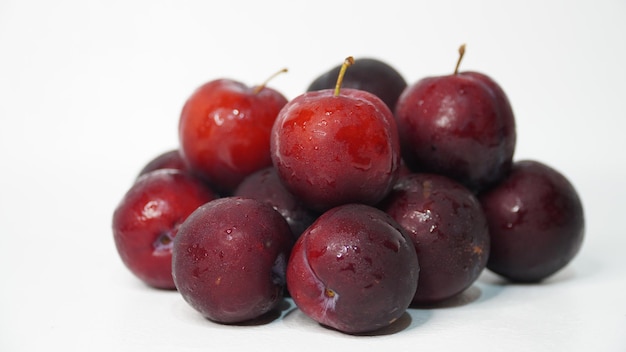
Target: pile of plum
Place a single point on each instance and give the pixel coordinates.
(359, 199)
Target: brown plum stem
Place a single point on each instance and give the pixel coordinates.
(259, 88)
(458, 62)
(347, 62)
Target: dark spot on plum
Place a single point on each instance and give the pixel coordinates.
(197, 253)
(394, 246)
(349, 267)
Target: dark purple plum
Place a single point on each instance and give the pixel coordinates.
(265, 185)
(460, 125)
(536, 222)
(353, 270)
(229, 259)
(449, 230)
(171, 159)
(368, 74)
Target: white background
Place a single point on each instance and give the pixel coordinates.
(91, 90)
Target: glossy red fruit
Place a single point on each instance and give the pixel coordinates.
(148, 217)
(334, 147)
(449, 230)
(224, 131)
(369, 74)
(460, 125)
(229, 259)
(536, 222)
(353, 269)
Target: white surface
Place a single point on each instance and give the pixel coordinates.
(90, 90)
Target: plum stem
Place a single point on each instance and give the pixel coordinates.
(347, 62)
(458, 62)
(259, 88)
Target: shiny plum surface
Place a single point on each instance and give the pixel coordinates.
(147, 220)
(224, 131)
(229, 259)
(353, 269)
(449, 230)
(460, 125)
(536, 221)
(368, 74)
(331, 150)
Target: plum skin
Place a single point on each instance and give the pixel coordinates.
(368, 74)
(353, 269)
(171, 159)
(461, 126)
(449, 230)
(229, 259)
(332, 150)
(536, 221)
(148, 217)
(265, 185)
(224, 131)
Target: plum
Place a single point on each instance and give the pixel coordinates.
(171, 159)
(353, 269)
(460, 125)
(332, 149)
(369, 74)
(229, 259)
(536, 222)
(447, 225)
(148, 217)
(224, 131)
(265, 185)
